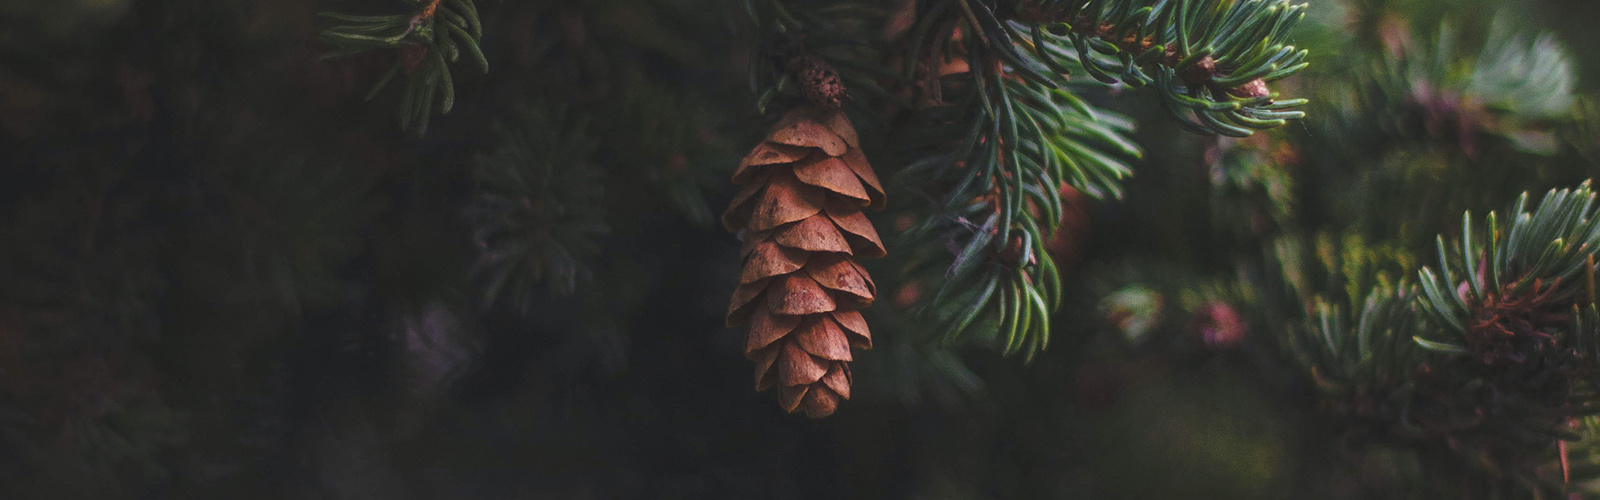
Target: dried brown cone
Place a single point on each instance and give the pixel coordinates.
(801, 290)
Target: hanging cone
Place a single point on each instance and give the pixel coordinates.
(799, 213)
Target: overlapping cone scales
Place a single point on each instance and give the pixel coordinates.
(823, 338)
(842, 274)
(832, 174)
(816, 233)
(801, 289)
(796, 294)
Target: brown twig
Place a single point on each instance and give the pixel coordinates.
(819, 83)
(427, 12)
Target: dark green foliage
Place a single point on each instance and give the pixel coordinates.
(1542, 254)
(539, 207)
(663, 137)
(1411, 115)
(1480, 369)
(1405, 372)
(296, 223)
(1359, 354)
(1209, 59)
(424, 38)
(1001, 281)
(1355, 338)
(1025, 133)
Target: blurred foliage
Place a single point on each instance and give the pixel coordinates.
(538, 210)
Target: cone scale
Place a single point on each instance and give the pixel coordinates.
(801, 290)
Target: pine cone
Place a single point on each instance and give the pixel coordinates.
(801, 290)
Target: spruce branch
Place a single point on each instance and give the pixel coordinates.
(1507, 282)
(1023, 135)
(1353, 335)
(1358, 354)
(1534, 78)
(1487, 363)
(1210, 60)
(1025, 132)
(984, 244)
(426, 39)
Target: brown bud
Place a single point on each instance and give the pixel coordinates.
(1202, 71)
(1251, 89)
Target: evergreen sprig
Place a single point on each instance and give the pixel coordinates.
(1536, 258)
(1353, 331)
(1027, 133)
(539, 208)
(428, 35)
(1210, 60)
(1485, 365)
(1359, 354)
(1021, 133)
(984, 244)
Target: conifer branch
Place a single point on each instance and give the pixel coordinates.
(984, 245)
(1489, 360)
(426, 41)
(1355, 353)
(1211, 60)
(1508, 281)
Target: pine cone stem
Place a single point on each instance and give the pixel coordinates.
(819, 83)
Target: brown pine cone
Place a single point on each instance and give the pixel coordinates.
(801, 290)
